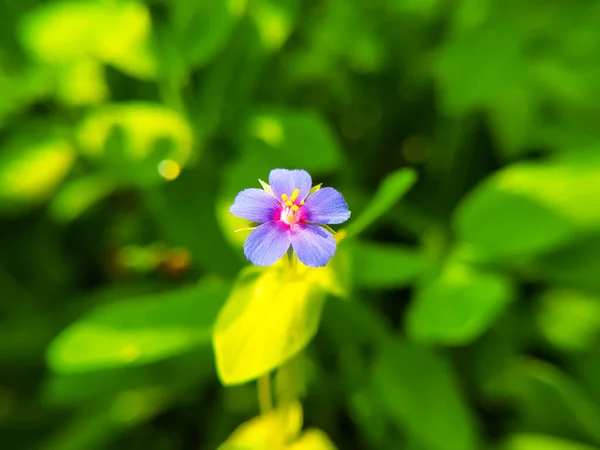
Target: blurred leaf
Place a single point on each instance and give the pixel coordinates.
(274, 20)
(529, 208)
(513, 120)
(269, 431)
(138, 331)
(418, 389)
(297, 139)
(312, 439)
(101, 387)
(568, 319)
(270, 315)
(478, 67)
(457, 306)
(391, 189)
(143, 123)
(112, 32)
(377, 265)
(82, 82)
(76, 196)
(203, 28)
(551, 402)
(31, 168)
(576, 265)
(349, 322)
(137, 144)
(541, 442)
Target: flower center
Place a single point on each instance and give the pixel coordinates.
(290, 213)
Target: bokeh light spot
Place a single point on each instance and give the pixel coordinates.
(169, 169)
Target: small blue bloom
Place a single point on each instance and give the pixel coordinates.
(291, 212)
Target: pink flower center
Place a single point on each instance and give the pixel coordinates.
(291, 213)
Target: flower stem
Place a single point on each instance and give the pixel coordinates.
(265, 402)
(293, 260)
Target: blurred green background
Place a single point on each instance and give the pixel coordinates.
(472, 315)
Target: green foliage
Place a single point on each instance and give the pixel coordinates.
(138, 331)
(415, 383)
(462, 308)
(391, 190)
(458, 305)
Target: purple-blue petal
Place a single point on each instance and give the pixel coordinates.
(267, 244)
(314, 245)
(284, 181)
(256, 205)
(326, 206)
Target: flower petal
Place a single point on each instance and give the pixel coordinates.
(326, 206)
(256, 205)
(314, 245)
(284, 181)
(267, 244)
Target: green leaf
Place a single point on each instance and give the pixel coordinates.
(417, 388)
(577, 264)
(271, 431)
(138, 330)
(569, 319)
(391, 189)
(312, 439)
(77, 196)
(458, 305)
(274, 20)
(31, 168)
(550, 401)
(143, 124)
(527, 441)
(476, 68)
(269, 316)
(137, 143)
(203, 28)
(529, 208)
(384, 265)
(296, 139)
(115, 33)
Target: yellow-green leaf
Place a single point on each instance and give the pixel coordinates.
(271, 431)
(31, 168)
(111, 32)
(144, 124)
(270, 315)
(312, 439)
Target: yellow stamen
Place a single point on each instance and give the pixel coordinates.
(295, 195)
(302, 203)
(295, 208)
(290, 218)
(285, 198)
(288, 203)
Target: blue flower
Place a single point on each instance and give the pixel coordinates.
(291, 213)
